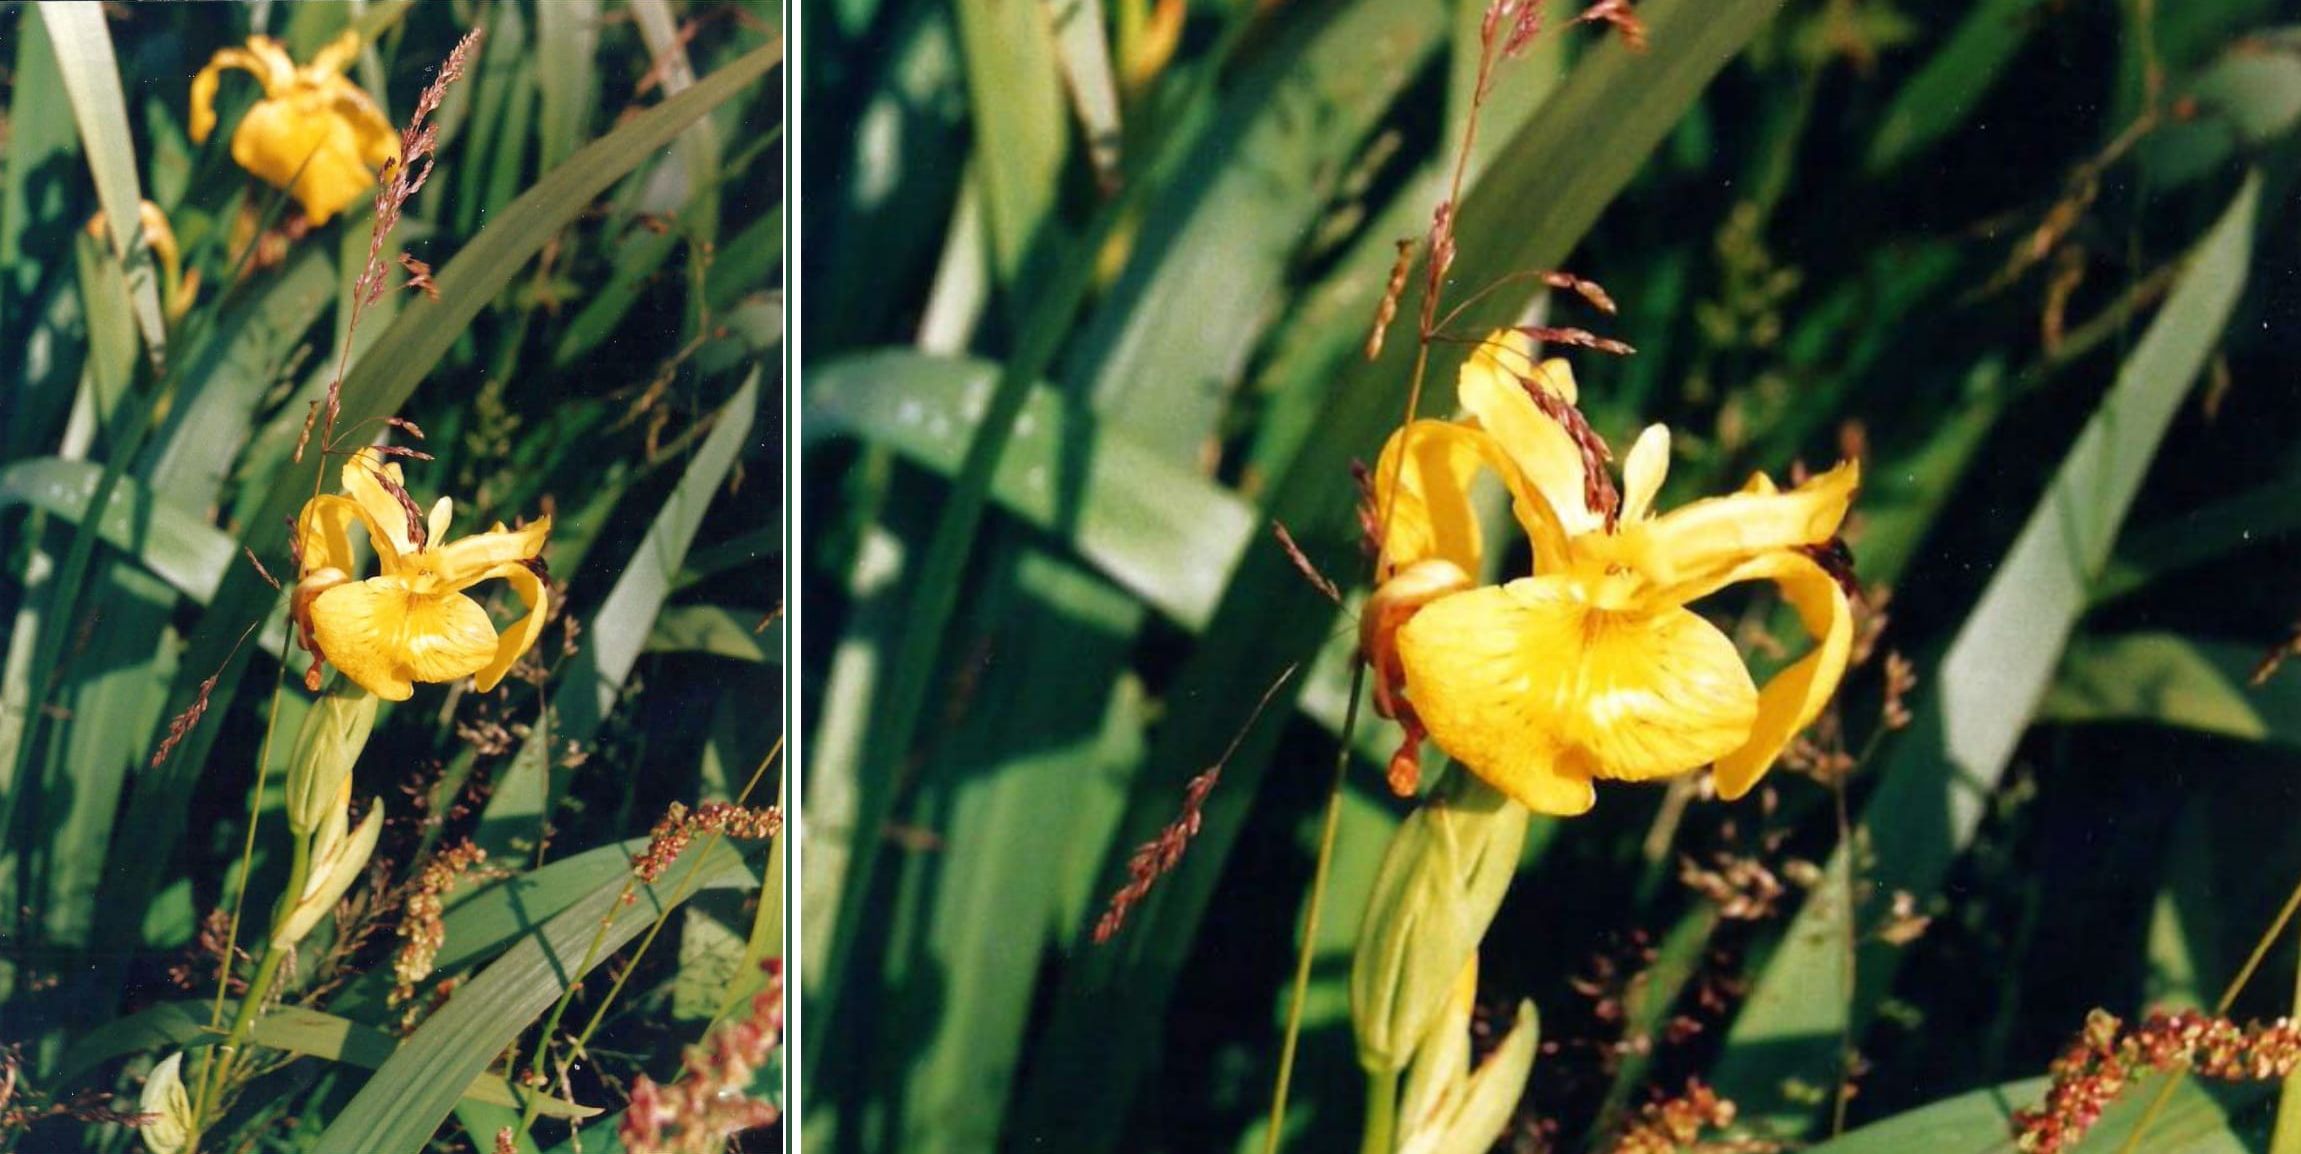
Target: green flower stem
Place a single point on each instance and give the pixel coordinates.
(1381, 1113)
(215, 1074)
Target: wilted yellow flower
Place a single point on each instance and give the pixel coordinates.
(314, 133)
(178, 288)
(411, 622)
(1593, 666)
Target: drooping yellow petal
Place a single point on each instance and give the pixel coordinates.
(515, 641)
(476, 558)
(1536, 691)
(363, 477)
(1796, 695)
(1643, 471)
(204, 87)
(1695, 545)
(385, 636)
(1493, 387)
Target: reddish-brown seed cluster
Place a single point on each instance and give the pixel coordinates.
(679, 826)
(1675, 1124)
(1624, 21)
(422, 926)
(1743, 887)
(1598, 493)
(711, 1100)
(2106, 1058)
(1155, 857)
(1302, 564)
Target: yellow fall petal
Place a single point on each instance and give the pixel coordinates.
(1692, 546)
(1492, 388)
(385, 636)
(1532, 688)
(1796, 695)
(520, 637)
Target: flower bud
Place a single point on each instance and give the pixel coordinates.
(1470, 1107)
(1440, 883)
(167, 1110)
(319, 769)
(336, 861)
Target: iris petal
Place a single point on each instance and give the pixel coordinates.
(385, 636)
(482, 555)
(1689, 550)
(1796, 695)
(363, 478)
(520, 637)
(1493, 387)
(1537, 692)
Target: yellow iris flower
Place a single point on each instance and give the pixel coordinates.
(1593, 666)
(312, 121)
(411, 622)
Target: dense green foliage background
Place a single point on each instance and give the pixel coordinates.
(605, 229)
(2031, 260)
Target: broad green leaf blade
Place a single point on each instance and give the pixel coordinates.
(1935, 782)
(717, 630)
(1951, 85)
(1164, 349)
(2195, 1121)
(188, 553)
(378, 386)
(1164, 533)
(91, 78)
(2165, 679)
(1021, 135)
(567, 42)
(400, 1108)
(322, 1035)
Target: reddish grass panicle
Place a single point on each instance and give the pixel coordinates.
(2106, 1058)
(710, 1102)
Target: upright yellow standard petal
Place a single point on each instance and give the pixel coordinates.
(1537, 692)
(1493, 388)
(364, 477)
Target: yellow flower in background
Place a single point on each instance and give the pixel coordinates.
(412, 622)
(315, 133)
(1592, 667)
(178, 288)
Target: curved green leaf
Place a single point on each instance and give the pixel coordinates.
(400, 1108)
(2194, 1121)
